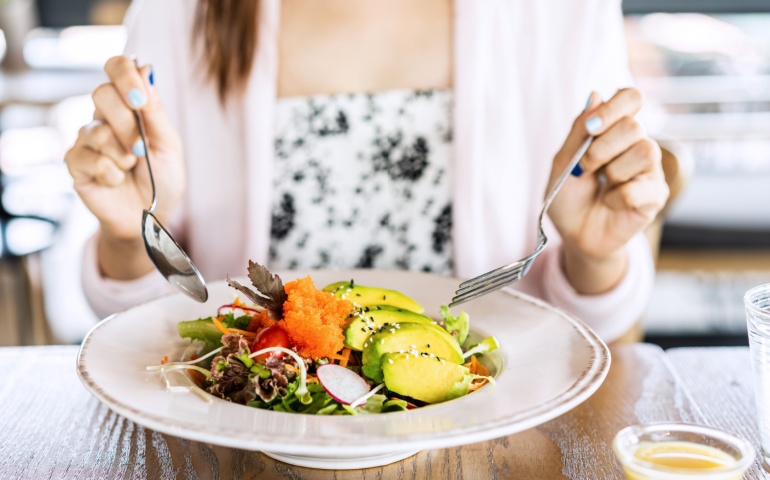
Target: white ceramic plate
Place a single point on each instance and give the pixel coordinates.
(548, 363)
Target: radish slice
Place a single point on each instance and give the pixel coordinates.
(343, 384)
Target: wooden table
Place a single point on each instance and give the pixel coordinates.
(51, 427)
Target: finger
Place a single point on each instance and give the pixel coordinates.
(576, 137)
(617, 139)
(643, 157)
(111, 108)
(128, 81)
(625, 103)
(99, 137)
(87, 166)
(645, 194)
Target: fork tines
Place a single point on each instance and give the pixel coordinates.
(479, 286)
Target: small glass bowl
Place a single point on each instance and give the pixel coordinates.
(631, 439)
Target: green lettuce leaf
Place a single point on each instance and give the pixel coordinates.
(459, 325)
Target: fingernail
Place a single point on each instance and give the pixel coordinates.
(602, 178)
(578, 170)
(593, 124)
(588, 102)
(138, 148)
(151, 77)
(136, 98)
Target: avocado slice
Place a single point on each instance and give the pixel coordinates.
(370, 320)
(413, 338)
(363, 296)
(423, 377)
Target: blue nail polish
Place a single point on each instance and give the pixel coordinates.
(138, 148)
(578, 170)
(593, 124)
(152, 76)
(588, 102)
(136, 98)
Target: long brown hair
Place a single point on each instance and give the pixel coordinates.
(228, 32)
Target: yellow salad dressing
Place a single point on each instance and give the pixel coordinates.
(693, 459)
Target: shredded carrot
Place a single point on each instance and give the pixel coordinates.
(476, 384)
(334, 356)
(164, 361)
(219, 325)
(196, 376)
(242, 332)
(345, 357)
(291, 367)
(193, 357)
(477, 368)
(310, 379)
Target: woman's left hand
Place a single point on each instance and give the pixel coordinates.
(620, 191)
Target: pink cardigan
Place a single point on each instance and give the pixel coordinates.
(523, 71)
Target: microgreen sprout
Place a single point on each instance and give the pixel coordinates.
(189, 362)
(360, 401)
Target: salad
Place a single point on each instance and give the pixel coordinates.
(345, 349)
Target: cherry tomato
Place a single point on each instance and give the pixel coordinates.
(273, 336)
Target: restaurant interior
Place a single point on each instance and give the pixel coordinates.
(703, 66)
(88, 409)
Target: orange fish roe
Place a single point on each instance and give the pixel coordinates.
(259, 321)
(314, 319)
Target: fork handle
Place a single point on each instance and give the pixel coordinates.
(571, 166)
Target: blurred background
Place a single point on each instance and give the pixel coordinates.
(704, 66)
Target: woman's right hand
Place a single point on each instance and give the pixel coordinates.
(107, 161)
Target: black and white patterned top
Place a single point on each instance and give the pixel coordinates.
(363, 181)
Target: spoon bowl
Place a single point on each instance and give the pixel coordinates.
(171, 260)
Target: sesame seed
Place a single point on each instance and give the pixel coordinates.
(390, 361)
(407, 356)
(363, 329)
(382, 342)
(392, 330)
(432, 355)
(413, 346)
(429, 345)
(442, 361)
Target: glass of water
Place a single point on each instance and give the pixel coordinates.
(757, 303)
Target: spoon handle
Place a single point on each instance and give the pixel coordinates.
(143, 136)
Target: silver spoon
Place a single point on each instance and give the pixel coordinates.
(169, 258)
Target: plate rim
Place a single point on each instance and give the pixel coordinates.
(588, 382)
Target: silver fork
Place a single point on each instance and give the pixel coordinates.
(500, 277)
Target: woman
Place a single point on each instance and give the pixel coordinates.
(394, 134)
